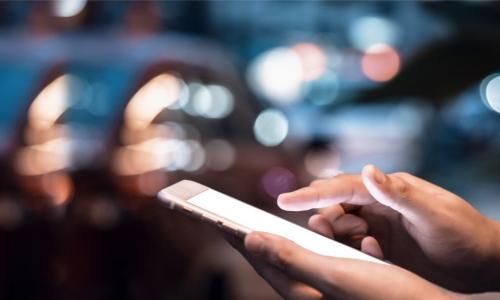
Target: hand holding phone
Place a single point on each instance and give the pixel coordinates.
(239, 218)
(296, 262)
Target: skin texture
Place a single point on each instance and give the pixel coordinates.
(409, 221)
(296, 273)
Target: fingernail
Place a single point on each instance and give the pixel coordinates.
(289, 202)
(254, 243)
(378, 176)
(282, 201)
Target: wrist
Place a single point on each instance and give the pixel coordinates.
(492, 264)
(456, 296)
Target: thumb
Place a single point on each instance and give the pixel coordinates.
(396, 193)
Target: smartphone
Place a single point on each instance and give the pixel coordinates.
(239, 218)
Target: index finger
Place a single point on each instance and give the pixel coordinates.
(337, 277)
(287, 287)
(291, 259)
(344, 188)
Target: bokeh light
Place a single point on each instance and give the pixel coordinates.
(44, 158)
(178, 153)
(158, 154)
(197, 157)
(271, 127)
(490, 92)
(156, 95)
(147, 156)
(50, 103)
(183, 96)
(68, 8)
(202, 101)
(198, 94)
(286, 75)
(278, 180)
(277, 75)
(313, 60)
(324, 90)
(380, 63)
(222, 102)
(370, 30)
(212, 101)
(59, 186)
(138, 158)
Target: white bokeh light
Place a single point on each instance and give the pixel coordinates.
(68, 8)
(183, 97)
(490, 90)
(198, 94)
(277, 75)
(222, 102)
(157, 94)
(197, 156)
(51, 102)
(271, 127)
(212, 101)
(202, 101)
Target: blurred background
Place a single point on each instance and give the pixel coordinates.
(102, 104)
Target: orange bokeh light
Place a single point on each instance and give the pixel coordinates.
(380, 62)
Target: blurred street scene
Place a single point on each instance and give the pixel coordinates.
(102, 104)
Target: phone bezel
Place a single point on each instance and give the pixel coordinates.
(177, 195)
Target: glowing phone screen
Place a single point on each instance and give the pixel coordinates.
(259, 220)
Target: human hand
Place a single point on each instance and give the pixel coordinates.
(296, 273)
(409, 221)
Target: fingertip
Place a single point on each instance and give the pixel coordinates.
(282, 200)
(319, 224)
(314, 220)
(373, 174)
(371, 246)
(289, 202)
(369, 168)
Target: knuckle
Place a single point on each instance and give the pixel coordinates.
(402, 175)
(349, 226)
(345, 176)
(360, 226)
(283, 256)
(401, 187)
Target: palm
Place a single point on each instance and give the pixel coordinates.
(394, 236)
(423, 250)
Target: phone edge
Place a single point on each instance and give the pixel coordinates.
(179, 201)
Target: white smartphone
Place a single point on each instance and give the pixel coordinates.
(239, 218)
